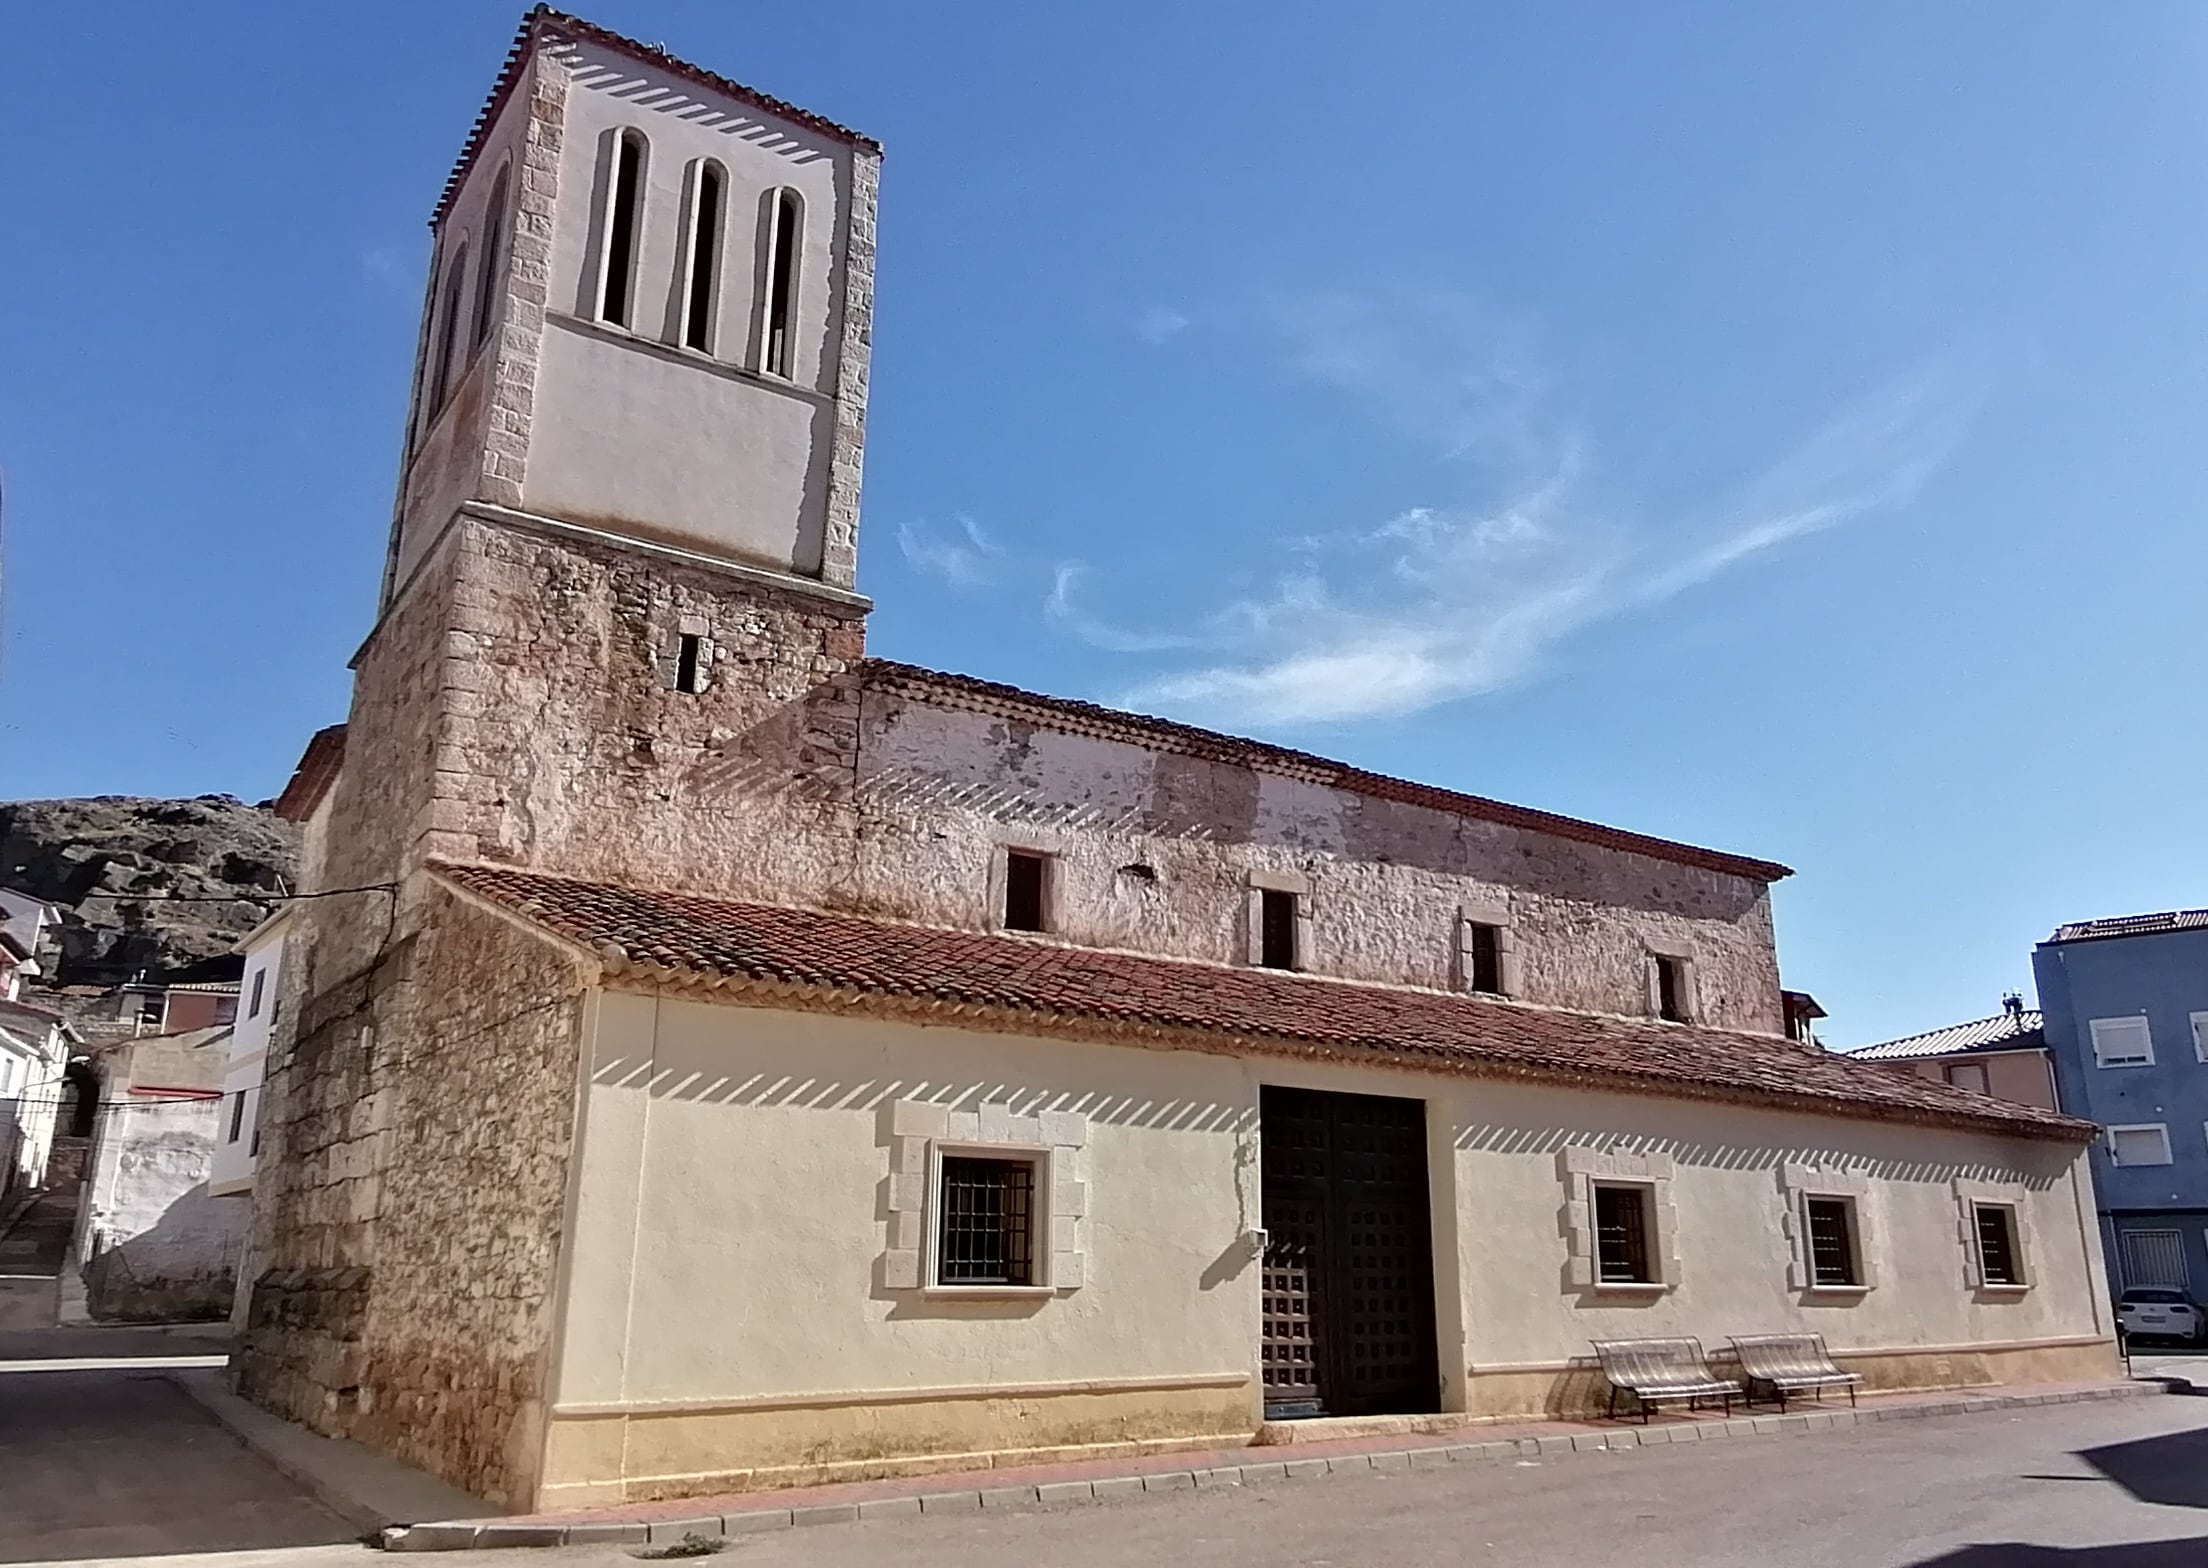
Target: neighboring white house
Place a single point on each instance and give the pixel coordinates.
(34, 1047)
(238, 1139)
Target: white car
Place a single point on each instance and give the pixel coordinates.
(2148, 1313)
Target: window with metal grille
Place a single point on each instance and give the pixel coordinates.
(1276, 913)
(1671, 990)
(986, 1233)
(1997, 1245)
(1487, 958)
(1025, 875)
(1621, 1236)
(1831, 1242)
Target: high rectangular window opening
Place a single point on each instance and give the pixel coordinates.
(1486, 958)
(1997, 1264)
(703, 278)
(1671, 990)
(985, 1233)
(1832, 1252)
(782, 251)
(1621, 1236)
(624, 206)
(690, 664)
(1276, 918)
(1026, 879)
(253, 1005)
(237, 1116)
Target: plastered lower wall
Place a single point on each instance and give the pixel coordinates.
(729, 1321)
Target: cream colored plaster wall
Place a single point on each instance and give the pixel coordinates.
(1727, 1184)
(731, 1211)
(732, 1313)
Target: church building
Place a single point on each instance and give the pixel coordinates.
(724, 1059)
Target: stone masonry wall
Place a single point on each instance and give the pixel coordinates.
(426, 1126)
(569, 750)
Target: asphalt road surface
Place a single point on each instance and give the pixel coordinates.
(2117, 1484)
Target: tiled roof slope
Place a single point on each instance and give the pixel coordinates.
(2004, 1031)
(316, 771)
(2132, 925)
(1050, 987)
(543, 19)
(1087, 718)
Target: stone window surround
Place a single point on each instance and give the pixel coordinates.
(2011, 1195)
(923, 1131)
(1581, 1169)
(670, 661)
(1681, 952)
(1800, 1183)
(1496, 914)
(1296, 882)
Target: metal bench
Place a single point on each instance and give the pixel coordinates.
(1657, 1371)
(1791, 1364)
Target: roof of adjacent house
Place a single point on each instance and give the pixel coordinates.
(311, 779)
(544, 19)
(2132, 925)
(2004, 1031)
(785, 956)
(1071, 716)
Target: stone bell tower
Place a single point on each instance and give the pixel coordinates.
(617, 607)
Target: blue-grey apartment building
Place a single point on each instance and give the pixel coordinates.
(2125, 1004)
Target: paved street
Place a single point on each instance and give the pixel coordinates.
(122, 1463)
(2122, 1484)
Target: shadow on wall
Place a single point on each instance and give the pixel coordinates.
(182, 1268)
(2171, 1470)
(871, 1094)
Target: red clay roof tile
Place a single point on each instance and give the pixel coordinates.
(1034, 983)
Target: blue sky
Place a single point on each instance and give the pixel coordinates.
(1774, 429)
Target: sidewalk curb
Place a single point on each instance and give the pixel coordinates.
(479, 1535)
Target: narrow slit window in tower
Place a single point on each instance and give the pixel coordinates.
(690, 664)
(623, 203)
(440, 368)
(781, 283)
(705, 256)
(486, 285)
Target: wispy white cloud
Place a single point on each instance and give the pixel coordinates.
(1060, 607)
(1451, 601)
(388, 266)
(1160, 325)
(969, 560)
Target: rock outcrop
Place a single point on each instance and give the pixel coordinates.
(162, 887)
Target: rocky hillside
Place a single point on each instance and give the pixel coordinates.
(162, 886)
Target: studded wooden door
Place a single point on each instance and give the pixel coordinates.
(1349, 1270)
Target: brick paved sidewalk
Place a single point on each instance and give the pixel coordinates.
(1097, 1479)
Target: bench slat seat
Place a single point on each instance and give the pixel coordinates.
(1654, 1371)
(1791, 1364)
